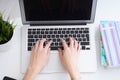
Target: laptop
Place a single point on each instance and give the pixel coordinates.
(56, 19)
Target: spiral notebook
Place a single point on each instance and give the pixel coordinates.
(110, 43)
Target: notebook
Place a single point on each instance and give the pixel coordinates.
(110, 43)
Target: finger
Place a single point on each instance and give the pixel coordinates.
(48, 52)
(64, 43)
(76, 44)
(71, 42)
(42, 42)
(33, 48)
(78, 48)
(60, 52)
(48, 45)
(37, 44)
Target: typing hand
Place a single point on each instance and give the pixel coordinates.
(39, 58)
(69, 57)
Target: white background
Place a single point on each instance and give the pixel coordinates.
(10, 60)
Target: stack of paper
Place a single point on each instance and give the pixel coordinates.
(110, 43)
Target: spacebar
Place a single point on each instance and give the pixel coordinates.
(55, 48)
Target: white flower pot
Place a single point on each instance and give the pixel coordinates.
(6, 46)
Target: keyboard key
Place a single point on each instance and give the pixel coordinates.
(56, 44)
(87, 48)
(47, 29)
(29, 44)
(73, 28)
(44, 36)
(35, 36)
(29, 48)
(54, 40)
(67, 32)
(83, 35)
(61, 36)
(51, 32)
(74, 35)
(82, 28)
(56, 29)
(80, 31)
(58, 40)
(63, 32)
(88, 39)
(72, 32)
(30, 36)
(79, 39)
(46, 32)
(69, 29)
(87, 35)
(40, 36)
(65, 29)
(85, 43)
(33, 32)
(86, 32)
(55, 32)
(87, 29)
(78, 35)
(42, 29)
(60, 44)
(59, 32)
(53, 36)
(57, 36)
(30, 40)
(65, 36)
(56, 48)
(84, 39)
(48, 36)
(83, 47)
(38, 32)
(76, 32)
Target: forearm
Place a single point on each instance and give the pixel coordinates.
(75, 74)
(76, 79)
(29, 75)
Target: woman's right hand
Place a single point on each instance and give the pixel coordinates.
(69, 57)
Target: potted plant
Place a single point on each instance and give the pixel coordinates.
(6, 33)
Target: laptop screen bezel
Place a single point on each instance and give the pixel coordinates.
(24, 21)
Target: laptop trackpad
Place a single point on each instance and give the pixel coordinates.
(54, 64)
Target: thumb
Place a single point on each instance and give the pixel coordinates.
(60, 52)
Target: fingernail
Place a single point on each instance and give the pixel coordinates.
(61, 39)
(50, 40)
(58, 48)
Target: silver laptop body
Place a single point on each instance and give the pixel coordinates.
(87, 59)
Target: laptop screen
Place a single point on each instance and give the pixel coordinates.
(47, 11)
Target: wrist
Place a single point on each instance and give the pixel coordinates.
(30, 74)
(31, 69)
(75, 74)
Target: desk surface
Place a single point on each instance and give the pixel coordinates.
(10, 60)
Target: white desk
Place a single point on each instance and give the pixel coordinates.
(10, 60)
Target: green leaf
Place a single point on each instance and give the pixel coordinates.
(6, 29)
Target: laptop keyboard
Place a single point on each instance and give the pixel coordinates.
(55, 34)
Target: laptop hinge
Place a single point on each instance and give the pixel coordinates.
(58, 24)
